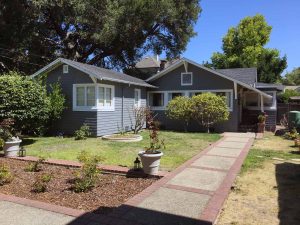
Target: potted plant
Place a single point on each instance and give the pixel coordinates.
(151, 156)
(11, 140)
(261, 123)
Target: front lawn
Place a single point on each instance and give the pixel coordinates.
(179, 148)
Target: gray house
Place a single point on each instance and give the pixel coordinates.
(104, 99)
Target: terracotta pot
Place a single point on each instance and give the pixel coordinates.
(150, 162)
(261, 127)
(11, 148)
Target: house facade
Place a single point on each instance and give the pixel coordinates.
(104, 99)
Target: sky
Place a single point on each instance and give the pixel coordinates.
(218, 15)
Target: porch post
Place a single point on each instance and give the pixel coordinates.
(261, 103)
(235, 91)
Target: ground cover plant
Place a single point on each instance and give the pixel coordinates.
(179, 148)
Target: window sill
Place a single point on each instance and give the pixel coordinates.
(92, 109)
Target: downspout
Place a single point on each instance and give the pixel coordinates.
(122, 114)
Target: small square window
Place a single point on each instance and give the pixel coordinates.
(186, 78)
(65, 69)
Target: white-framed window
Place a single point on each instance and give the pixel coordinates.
(91, 97)
(186, 79)
(156, 99)
(65, 68)
(137, 97)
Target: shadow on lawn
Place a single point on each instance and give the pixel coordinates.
(27, 141)
(129, 215)
(288, 184)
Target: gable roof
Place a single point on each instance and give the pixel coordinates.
(148, 62)
(94, 71)
(245, 75)
(185, 60)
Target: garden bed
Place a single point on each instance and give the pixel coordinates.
(110, 190)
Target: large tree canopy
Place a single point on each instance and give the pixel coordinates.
(292, 78)
(108, 33)
(243, 46)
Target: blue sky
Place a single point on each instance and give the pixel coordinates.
(218, 15)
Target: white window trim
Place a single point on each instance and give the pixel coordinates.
(140, 98)
(65, 68)
(188, 84)
(271, 108)
(97, 106)
(185, 93)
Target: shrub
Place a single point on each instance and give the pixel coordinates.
(86, 177)
(41, 183)
(82, 133)
(292, 135)
(46, 177)
(25, 101)
(5, 175)
(285, 96)
(209, 109)
(140, 115)
(179, 109)
(35, 166)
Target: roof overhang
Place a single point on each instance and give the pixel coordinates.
(183, 60)
(61, 61)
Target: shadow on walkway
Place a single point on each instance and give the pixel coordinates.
(288, 184)
(129, 215)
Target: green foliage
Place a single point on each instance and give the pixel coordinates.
(285, 96)
(243, 46)
(57, 102)
(25, 101)
(5, 175)
(155, 142)
(292, 135)
(82, 133)
(209, 109)
(292, 78)
(7, 130)
(179, 109)
(86, 178)
(100, 32)
(261, 118)
(41, 182)
(35, 166)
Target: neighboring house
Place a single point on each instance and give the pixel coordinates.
(104, 99)
(292, 87)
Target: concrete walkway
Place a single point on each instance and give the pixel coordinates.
(193, 193)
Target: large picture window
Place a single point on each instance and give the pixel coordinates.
(87, 97)
(156, 99)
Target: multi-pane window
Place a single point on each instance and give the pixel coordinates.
(85, 96)
(186, 79)
(105, 97)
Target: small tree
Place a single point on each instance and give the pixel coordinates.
(209, 109)
(57, 102)
(285, 96)
(179, 108)
(140, 114)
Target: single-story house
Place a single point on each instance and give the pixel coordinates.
(104, 99)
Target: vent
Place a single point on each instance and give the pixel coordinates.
(65, 68)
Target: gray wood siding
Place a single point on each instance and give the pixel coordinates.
(202, 80)
(71, 120)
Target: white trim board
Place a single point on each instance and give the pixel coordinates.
(183, 60)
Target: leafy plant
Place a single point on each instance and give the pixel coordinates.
(41, 183)
(140, 116)
(285, 96)
(7, 131)
(155, 142)
(261, 118)
(82, 133)
(5, 175)
(35, 166)
(86, 177)
(292, 135)
(209, 109)
(180, 109)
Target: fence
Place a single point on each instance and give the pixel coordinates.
(284, 108)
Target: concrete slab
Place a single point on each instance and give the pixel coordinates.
(230, 144)
(215, 162)
(233, 134)
(233, 152)
(169, 206)
(237, 139)
(199, 178)
(16, 214)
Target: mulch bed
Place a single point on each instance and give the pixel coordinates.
(110, 192)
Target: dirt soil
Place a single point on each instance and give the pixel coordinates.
(270, 195)
(110, 192)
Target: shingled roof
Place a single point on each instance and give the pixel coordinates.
(245, 75)
(97, 72)
(148, 62)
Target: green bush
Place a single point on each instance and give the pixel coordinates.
(285, 96)
(82, 133)
(41, 183)
(46, 177)
(292, 135)
(86, 177)
(35, 166)
(25, 101)
(5, 175)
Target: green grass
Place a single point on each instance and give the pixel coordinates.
(179, 148)
(267, 148)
